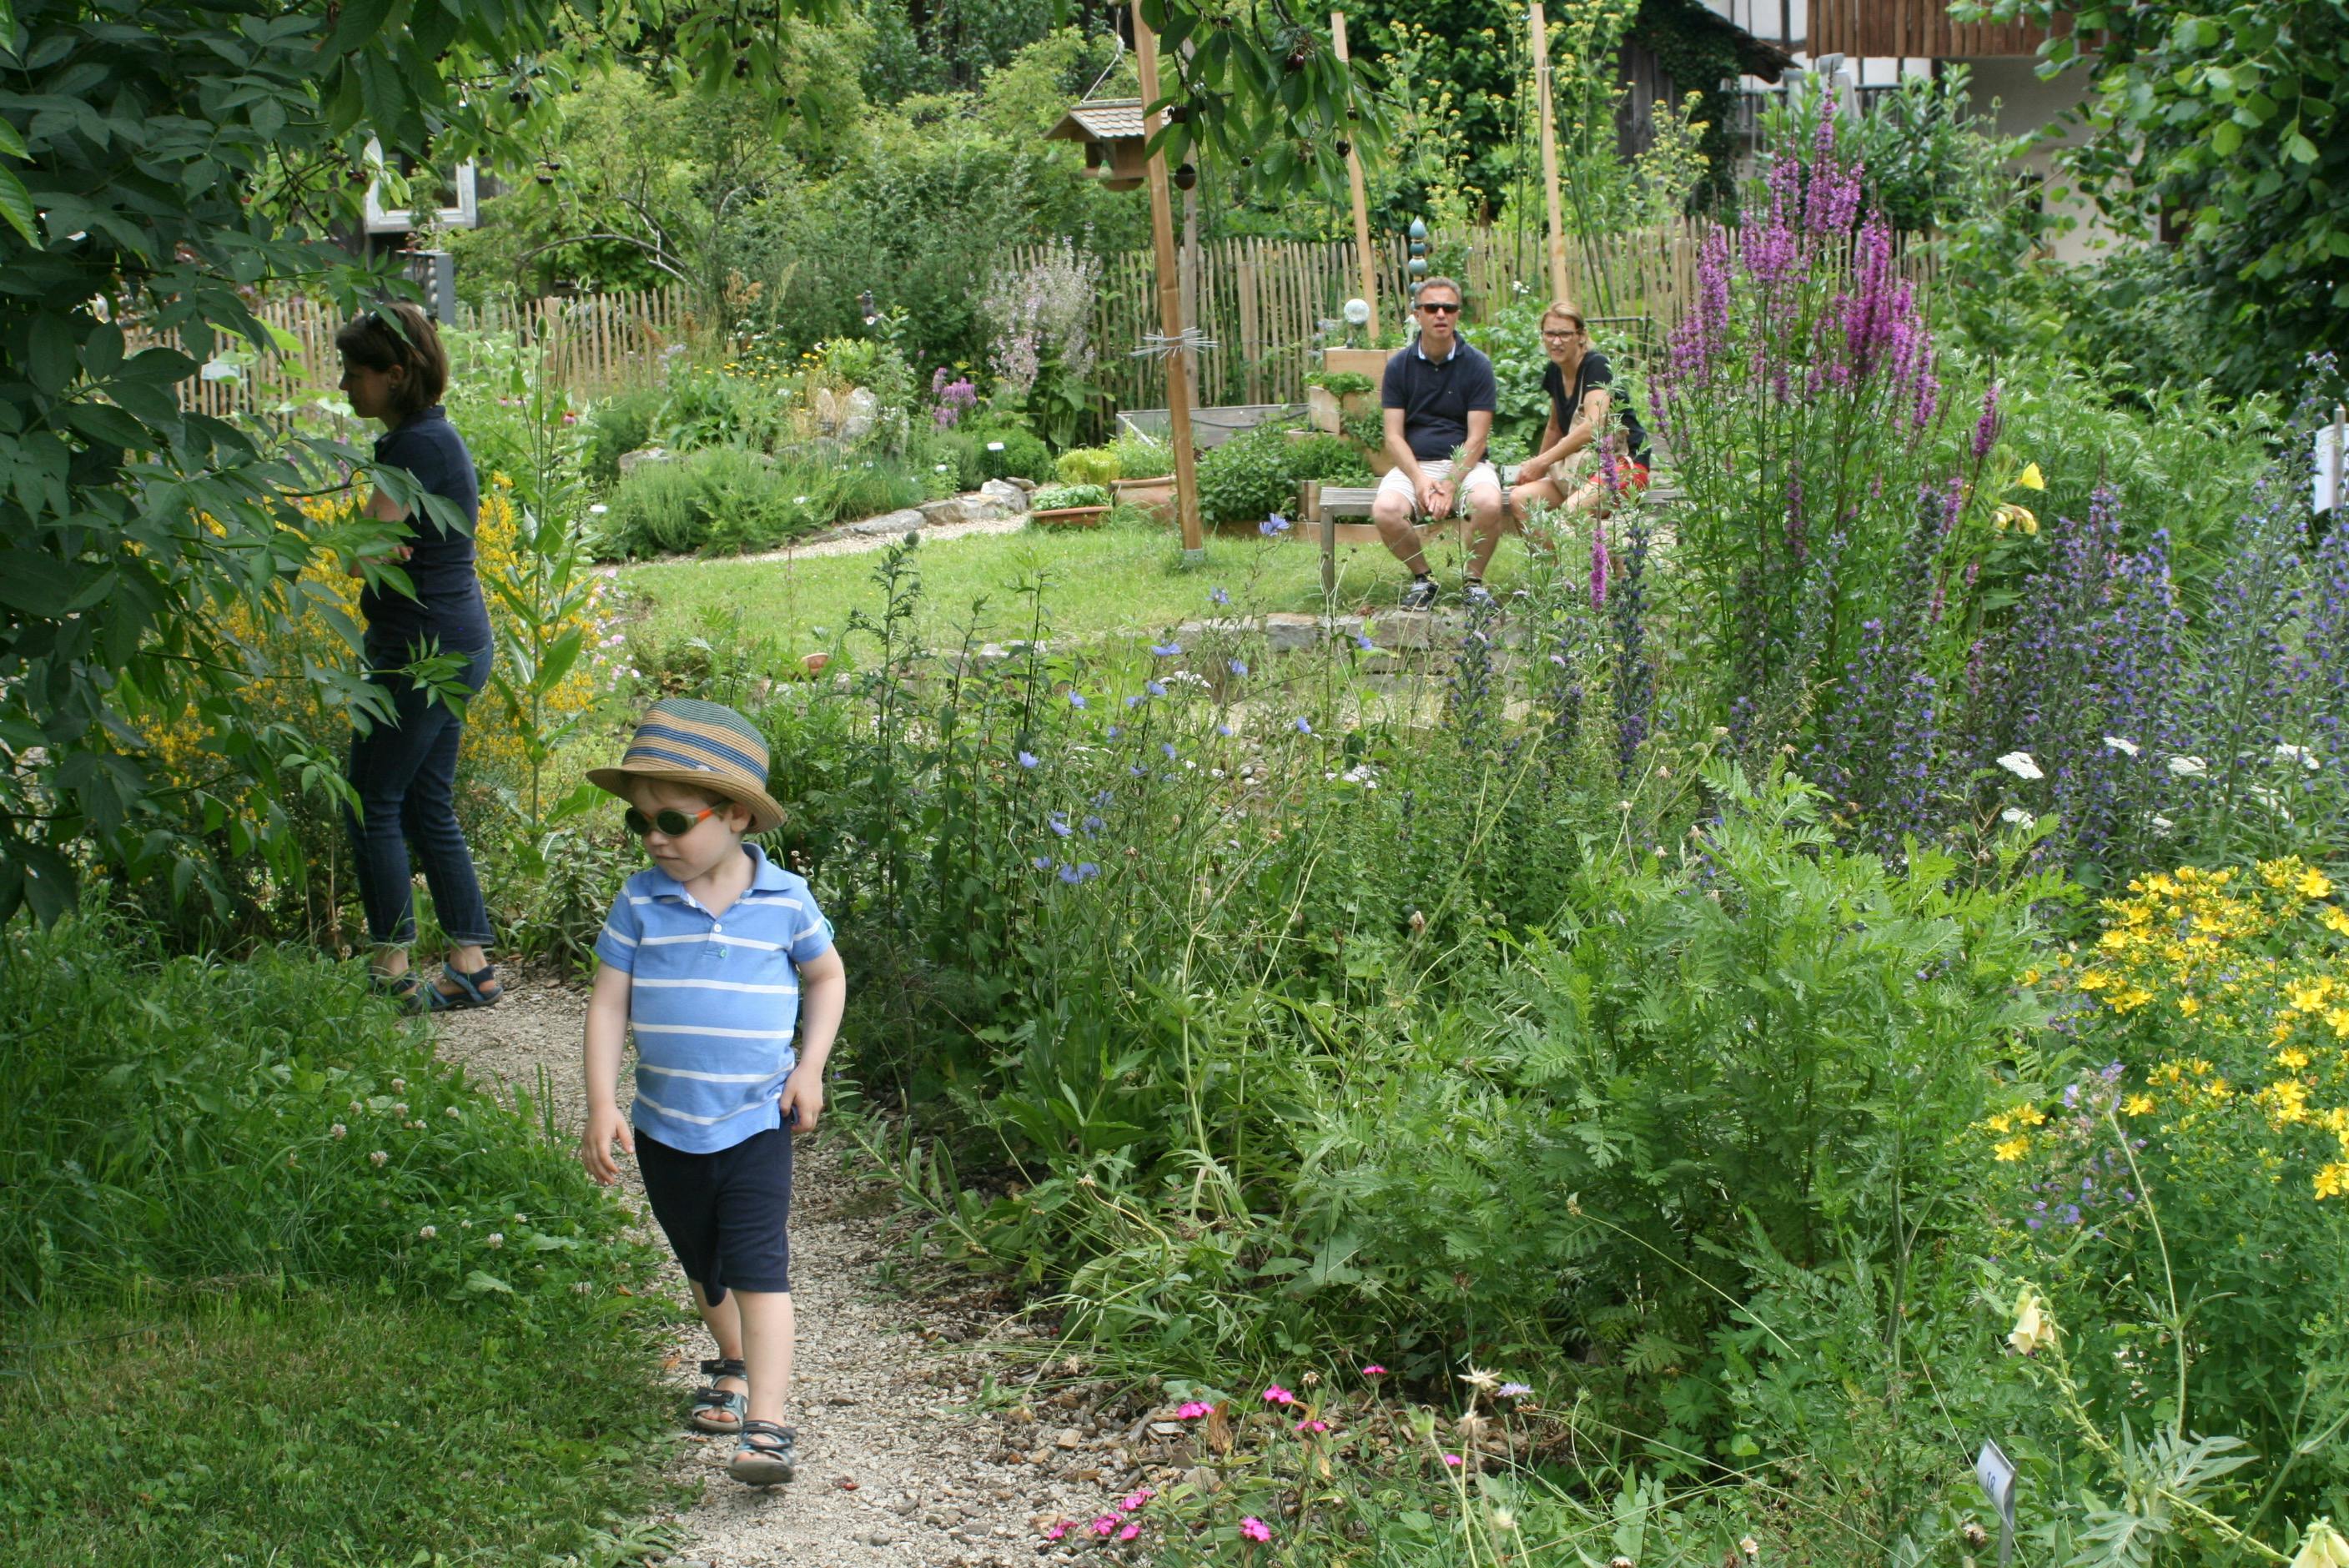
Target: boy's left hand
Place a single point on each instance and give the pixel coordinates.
(802, 1101)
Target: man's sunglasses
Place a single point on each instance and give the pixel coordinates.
(675, 824)
(1442, 306)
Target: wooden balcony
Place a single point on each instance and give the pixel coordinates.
(1912, 29)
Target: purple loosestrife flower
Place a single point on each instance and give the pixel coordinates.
(1598, 564)
(1986, 427)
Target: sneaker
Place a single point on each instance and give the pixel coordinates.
(1476, 597)
(1420, 595)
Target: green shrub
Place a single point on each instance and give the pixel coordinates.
(1007, 452)
(724, 501)
(1089, 466)
(617, 425)
(1255, 473)
(1140, 458)
(956, 460)
(180, 1119)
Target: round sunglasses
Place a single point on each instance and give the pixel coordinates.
(674, 823)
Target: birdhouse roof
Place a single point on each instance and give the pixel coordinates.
(1101, 119)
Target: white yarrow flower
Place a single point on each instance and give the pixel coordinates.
(2126, 748)
(2187, 768)
(2020, 764)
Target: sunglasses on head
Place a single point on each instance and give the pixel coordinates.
(1446, 306)
(674, 823)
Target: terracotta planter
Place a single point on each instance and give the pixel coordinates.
(1070, 516)
(1155, 497)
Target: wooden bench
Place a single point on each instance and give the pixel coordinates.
(1322, 509)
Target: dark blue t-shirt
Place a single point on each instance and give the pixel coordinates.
(1436, 399)
(448, 604)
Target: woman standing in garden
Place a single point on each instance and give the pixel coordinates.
(404, 767)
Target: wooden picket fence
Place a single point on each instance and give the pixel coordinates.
(1262, 301)
(593, 344)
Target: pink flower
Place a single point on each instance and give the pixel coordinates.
(1192, 1409)
(1451, 1459)
(1105, 1524)
(1128, 1532)
(1374, 1370)
(1133, 1499)
(1312, 1426)
(1255, 1529)
(1277, 1395)
(1057, 1530)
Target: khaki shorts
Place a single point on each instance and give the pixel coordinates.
(1398, 482)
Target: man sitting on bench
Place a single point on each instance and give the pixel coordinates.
(1439, 398)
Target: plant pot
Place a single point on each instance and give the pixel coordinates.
(1155, 497)
(1070, 516)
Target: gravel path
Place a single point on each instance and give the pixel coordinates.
(854, 545)
(900, 1464)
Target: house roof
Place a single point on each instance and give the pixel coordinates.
(1101, 119)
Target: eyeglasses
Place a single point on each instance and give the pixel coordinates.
(1559, 336)
(672, 824)
(1442, 306)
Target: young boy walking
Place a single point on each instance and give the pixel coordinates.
(711, 955)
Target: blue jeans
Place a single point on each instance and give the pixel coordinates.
(405, 771)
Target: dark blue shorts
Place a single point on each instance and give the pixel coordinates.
(726, 1215)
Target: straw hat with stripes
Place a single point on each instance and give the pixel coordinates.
(705, 744)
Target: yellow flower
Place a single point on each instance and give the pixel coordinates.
(2336, 921)
(2333, 1181)
(2033, 1329)
(2321, 1547)
(2138, 1105)
(2013, 1149)
(2292, 1059)
(2030, 478)
(2189, 1005)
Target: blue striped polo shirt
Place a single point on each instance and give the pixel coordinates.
(713, 1001)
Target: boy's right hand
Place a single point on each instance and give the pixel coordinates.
(606, 1123)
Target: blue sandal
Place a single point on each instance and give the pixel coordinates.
(721, 1410)
(765, 1456)
(470, 992)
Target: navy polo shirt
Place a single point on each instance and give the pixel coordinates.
(447, 607)
(1436, 396)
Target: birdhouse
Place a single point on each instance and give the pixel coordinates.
(1111, 131)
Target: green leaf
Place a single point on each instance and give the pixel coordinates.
(2299, 148)
(2226, 139)
(11, 143)
(481, 1283)
(107, 425)
(361, 21)
(16, 206)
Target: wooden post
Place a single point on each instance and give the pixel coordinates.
(1549, 157)
(1362, 257)
(1170, 299)
(1308, 513)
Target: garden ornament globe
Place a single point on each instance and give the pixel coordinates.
(1358, 312)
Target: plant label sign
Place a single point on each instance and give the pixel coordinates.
(1996, 1473)
(2328, 458)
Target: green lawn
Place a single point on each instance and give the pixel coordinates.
(323, 1429)
(1124, 578)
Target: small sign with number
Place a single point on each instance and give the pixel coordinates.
(1996, 1473)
